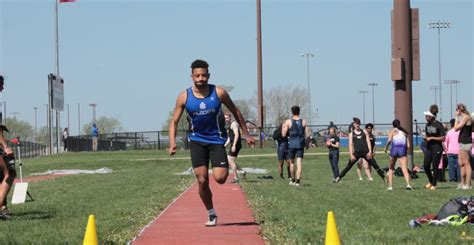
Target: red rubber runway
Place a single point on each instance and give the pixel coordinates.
(182, 222)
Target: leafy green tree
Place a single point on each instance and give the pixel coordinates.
(105, 124)
(21, 128)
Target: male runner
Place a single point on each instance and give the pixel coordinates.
(202, 102)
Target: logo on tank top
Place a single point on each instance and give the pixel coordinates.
(202, 106)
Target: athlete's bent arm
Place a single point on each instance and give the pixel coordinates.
(389, 141)
(178, 111)
(351, 147)
(225, 98)
(369, 145)
(284, 128)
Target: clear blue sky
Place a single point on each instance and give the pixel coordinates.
(132, 58)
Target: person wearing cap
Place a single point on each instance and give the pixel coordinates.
(434, 137)
(463, 124)
(359, 147)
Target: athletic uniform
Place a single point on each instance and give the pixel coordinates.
(234, 125)
(282, 143)
(465, 140)
(207, 135)
(334, 155)
(434, 150)
(399, 145)
(361, 149)
(296, 139)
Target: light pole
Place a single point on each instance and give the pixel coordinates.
(363, 92)
(435, 88)
(36, 123)
(451, 82)
(93, 111)
(78, 119)
(68, 122)
(308, 55)
(439, 24)
(373, 101)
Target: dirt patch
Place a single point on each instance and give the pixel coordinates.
(40, 177)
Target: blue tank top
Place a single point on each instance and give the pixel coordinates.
(206, 117)
(296, 134)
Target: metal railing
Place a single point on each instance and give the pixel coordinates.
(159, 140)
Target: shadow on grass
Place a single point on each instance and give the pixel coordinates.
(239, 224)
(33, 215)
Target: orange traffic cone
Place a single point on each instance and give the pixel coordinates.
(90, 238)
(332, 235)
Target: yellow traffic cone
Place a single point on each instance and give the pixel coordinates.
(332, 235)
(90, 238)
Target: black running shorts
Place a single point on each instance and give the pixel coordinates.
(236, 152)
(201, 153)
(295, 153)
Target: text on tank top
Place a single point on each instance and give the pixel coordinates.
(359, 141)
(206, 117)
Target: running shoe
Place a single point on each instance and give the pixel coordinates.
(433, 188)
(370, 179)
(297, 184)
(243, 173)
(428, 186)
(5, 210)
(466, 187)
(292, 183)
(234, 181)
(360, 178)
(5, 216)
(212, 221)
(390, 188)
(409, 188)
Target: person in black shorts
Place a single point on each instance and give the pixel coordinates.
(234, 140)
(296, 129)
(434, 138)
(332, 143)
(8, 175)
(282, 151)
(202, 102)
(360, 147)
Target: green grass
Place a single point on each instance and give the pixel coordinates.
(366, 213)
(123, 201)
(142, 185)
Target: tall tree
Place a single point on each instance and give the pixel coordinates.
(105, 124)
(279, 100)
(21, 128)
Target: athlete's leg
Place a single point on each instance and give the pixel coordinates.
(288, 168)
(374, 164)
(391, 169)
(465, 158)
(367, 169)
(299, 168)
(233, 166)
(404, 164)
(359, 169)
(202, 176)
(350, 163)
(437, 154)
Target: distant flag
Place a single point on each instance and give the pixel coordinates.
(66, 1)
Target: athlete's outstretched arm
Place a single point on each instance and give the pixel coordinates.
(178, 111)
(225, 98)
